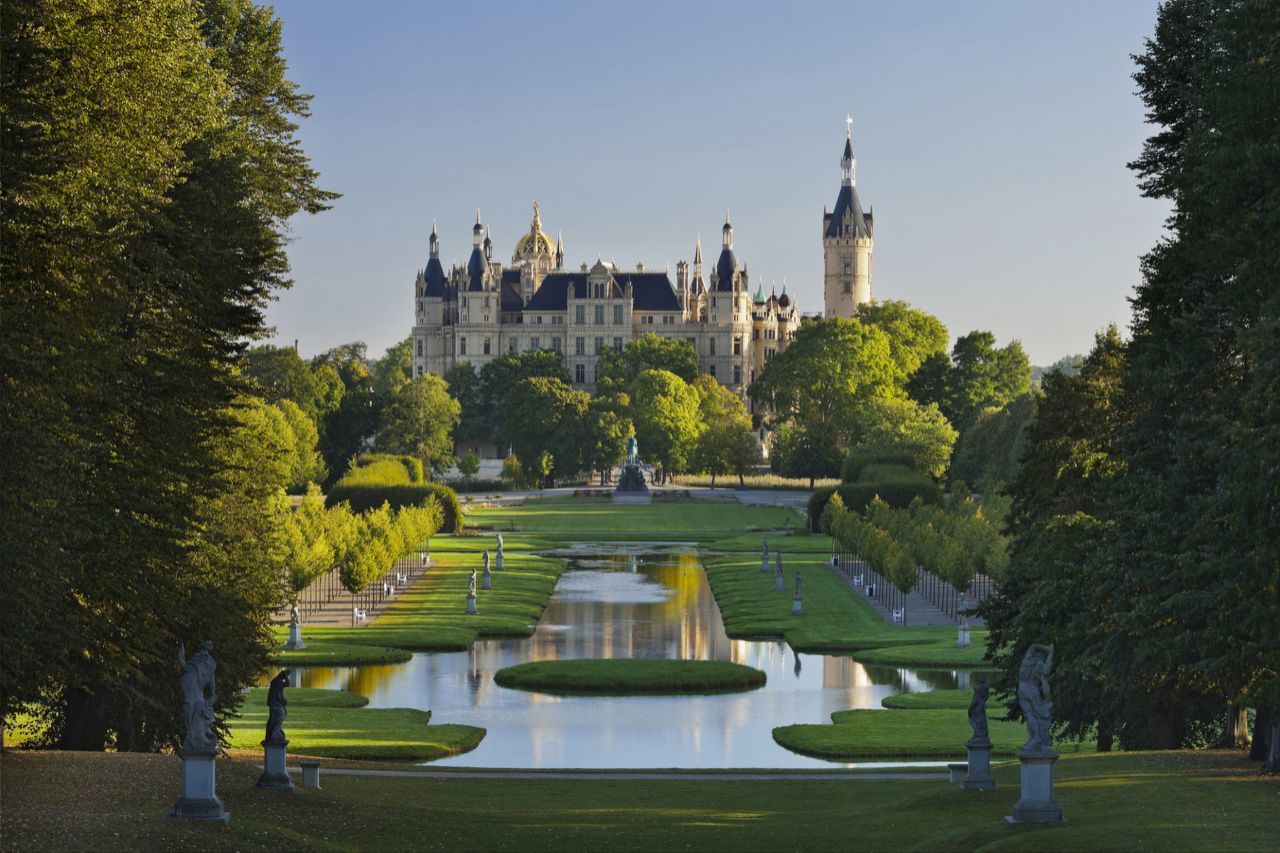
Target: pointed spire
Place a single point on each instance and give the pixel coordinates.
(847, 160)
(697, 252)
(727, 231)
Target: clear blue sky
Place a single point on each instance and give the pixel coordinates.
(991, 140)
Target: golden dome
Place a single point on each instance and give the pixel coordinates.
(534, 243)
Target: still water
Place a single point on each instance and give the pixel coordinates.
(645, 601)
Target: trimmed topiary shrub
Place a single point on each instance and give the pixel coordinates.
(378, 467)
(861, 458)
(364, 497)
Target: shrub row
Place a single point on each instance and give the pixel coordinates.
(364, 497)
(897, 492)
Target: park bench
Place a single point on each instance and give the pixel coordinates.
(357, 614)
(857, 580)
(402, 579)
(898, 616)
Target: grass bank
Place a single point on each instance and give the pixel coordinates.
(591, 518)
(835, 619)
(625, 677)
(1113, 802)
(932, 733)
(430, 615)
(334, 724)
(951, 699)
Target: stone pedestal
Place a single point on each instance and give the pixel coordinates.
(471, 606)
(274, 774)
(295, 638)
(962, 636)
(764, 563)
(199, 800)
(310, 774)
(486, 582)
(978, 773)
(956, 771)
(497, 562)
(796, 608)
(1037, 804)
(778, 583)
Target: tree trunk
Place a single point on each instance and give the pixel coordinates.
(1262, 734)
(83, 728)
(742, 482)
(811, 482)
(1272, 764)
(1106, 735)
(1235, 734)
(713, 479)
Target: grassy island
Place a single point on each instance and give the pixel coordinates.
(624, 677)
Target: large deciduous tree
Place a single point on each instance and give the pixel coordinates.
(914, 335)
(977, 374)
(150, 164)
(618, 369)
(665, 413)
(894, 422)
(545, 416)
(419, 421)
(725, 443)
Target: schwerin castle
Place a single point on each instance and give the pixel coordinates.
(481, 311)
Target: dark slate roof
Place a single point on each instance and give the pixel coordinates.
(510, 293)
(434, 276)
(651, 291)
(846, 202)
(725, 268)
(475, 270)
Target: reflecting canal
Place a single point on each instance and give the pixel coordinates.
(640, 602)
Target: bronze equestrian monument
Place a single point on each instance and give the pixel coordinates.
(632, 488)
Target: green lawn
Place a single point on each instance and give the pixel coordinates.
(430, 615)
(952, 699)
(591, 518)
(835, 619)
(873, 733)
(622, 676)
(333, 724)
(1113, 802)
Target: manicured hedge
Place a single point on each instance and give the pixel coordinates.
(366, 497)
(897, 493)
(861, 457)
(385, 468)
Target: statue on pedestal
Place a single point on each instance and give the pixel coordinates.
(277, 709)
(1035, 699)
(978, 710)
(633, 451)
(199, 695)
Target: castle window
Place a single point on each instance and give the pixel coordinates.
(848, 287)
(712, 371)
(693, 342)
(617, 343)
(580, 346)
(419, 347)
(555, 344)
(711, 347)
(755, 334)
(579, 314)
(511, 344)
(580, 373)
(538, 320)
(486, 318)
(599, 345)
(737, 346)
(599, 315)
(419, 369)
(848, 268)
(737, 374)
(617, 315)
(488, 345)
(534, 343)
(462, 346)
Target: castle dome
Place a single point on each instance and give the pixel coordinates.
(535, 243)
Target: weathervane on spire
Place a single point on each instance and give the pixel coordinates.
(848, 125)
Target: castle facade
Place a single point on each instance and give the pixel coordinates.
(481, 311)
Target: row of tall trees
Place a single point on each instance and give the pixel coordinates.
(1145, 531)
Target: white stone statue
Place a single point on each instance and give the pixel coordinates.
(1035, 699)
(199, 695)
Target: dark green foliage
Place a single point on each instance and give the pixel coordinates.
(150, 163)
(977, 374)
(630, 677)
(988, 451)
(346, 430)
(281, 374)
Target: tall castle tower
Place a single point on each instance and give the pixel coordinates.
(847, 239)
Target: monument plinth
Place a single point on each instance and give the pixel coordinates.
(1037, 755)
(199, 751)
(274, 773)
(632, 488)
